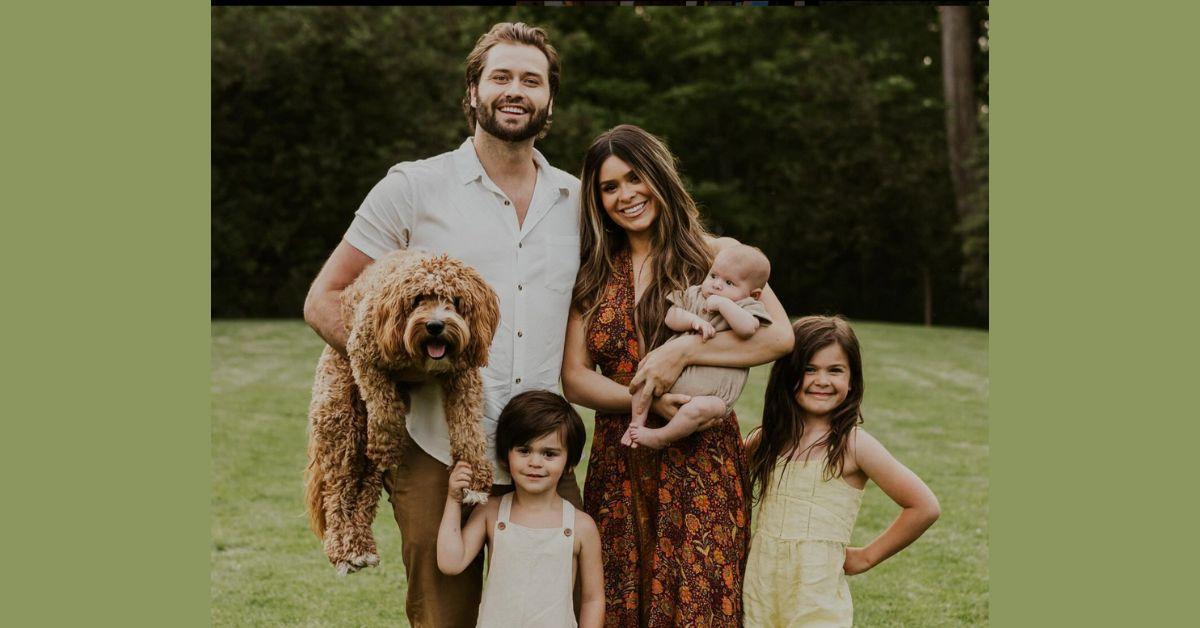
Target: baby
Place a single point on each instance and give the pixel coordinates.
(728, 299)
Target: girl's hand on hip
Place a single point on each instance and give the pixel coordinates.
(856, 561)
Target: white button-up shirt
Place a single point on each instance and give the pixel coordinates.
(448, 204)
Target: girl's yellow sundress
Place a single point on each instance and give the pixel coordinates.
(794, 575)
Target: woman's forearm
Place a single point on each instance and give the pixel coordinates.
(590, 389)
(768, 344)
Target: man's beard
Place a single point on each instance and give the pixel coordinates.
(487, 119)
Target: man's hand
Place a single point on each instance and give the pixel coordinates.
(713, 302)
(704, 328)
(661, 367)
(460, 478)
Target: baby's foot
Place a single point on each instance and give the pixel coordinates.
(647, 437)
(627, 437)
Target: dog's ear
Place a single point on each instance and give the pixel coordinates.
(392, 310)
(481, 308)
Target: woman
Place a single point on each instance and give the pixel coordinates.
(673, 523)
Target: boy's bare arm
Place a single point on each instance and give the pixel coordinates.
(457, 545)
(591, 573)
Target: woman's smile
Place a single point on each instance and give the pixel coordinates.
(635, 210)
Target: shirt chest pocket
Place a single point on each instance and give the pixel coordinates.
(560, 262)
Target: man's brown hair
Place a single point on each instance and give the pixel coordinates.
(508, 33)
(533, 414)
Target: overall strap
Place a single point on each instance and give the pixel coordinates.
(568, 515)
(505, 507)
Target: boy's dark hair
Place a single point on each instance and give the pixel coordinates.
(533, 414)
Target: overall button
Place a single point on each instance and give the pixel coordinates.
(520, 334)
(518, 380)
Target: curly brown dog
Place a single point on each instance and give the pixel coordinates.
(410, 317)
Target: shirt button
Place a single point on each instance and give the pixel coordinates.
(520, 334)
(507, 203)
(518, 380)
(519, 245)
(520, 287)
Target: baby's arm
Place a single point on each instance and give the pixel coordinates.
(681, 320)
(742, 323)
(920, 506)
(591, 572)
(457, 548)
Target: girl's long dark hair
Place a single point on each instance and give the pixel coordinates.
(783, 419)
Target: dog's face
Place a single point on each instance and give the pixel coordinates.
(436, 332)
(439, 316)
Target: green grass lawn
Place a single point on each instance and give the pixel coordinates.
(926, 400)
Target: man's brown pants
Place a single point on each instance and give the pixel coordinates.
(417, 491)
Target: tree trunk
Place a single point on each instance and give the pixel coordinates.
(961, 124)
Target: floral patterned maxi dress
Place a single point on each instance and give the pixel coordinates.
(673, 523)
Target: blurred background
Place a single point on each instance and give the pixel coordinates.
(848, 142)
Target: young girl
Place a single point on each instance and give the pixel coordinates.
(537, 542)
(809, 463)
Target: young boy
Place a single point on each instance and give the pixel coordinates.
(537, 542)
(728, 299)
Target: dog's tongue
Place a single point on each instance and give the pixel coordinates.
(435, 349)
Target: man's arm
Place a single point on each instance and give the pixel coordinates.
(323, 305)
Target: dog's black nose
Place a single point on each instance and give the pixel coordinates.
(434, 327)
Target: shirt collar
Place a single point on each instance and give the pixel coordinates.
(469, 168)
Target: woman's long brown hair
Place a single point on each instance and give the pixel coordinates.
(783, 418)
(681, 256)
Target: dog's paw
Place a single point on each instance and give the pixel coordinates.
(474, 497)
(364, 560)
(343, 567)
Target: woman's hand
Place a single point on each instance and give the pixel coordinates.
(856, 561)
(662, 366)
(460, 478)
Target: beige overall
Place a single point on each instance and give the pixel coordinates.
(530, 579)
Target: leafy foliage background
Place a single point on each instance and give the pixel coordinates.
(817, 134)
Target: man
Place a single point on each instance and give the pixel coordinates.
(496, 204)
